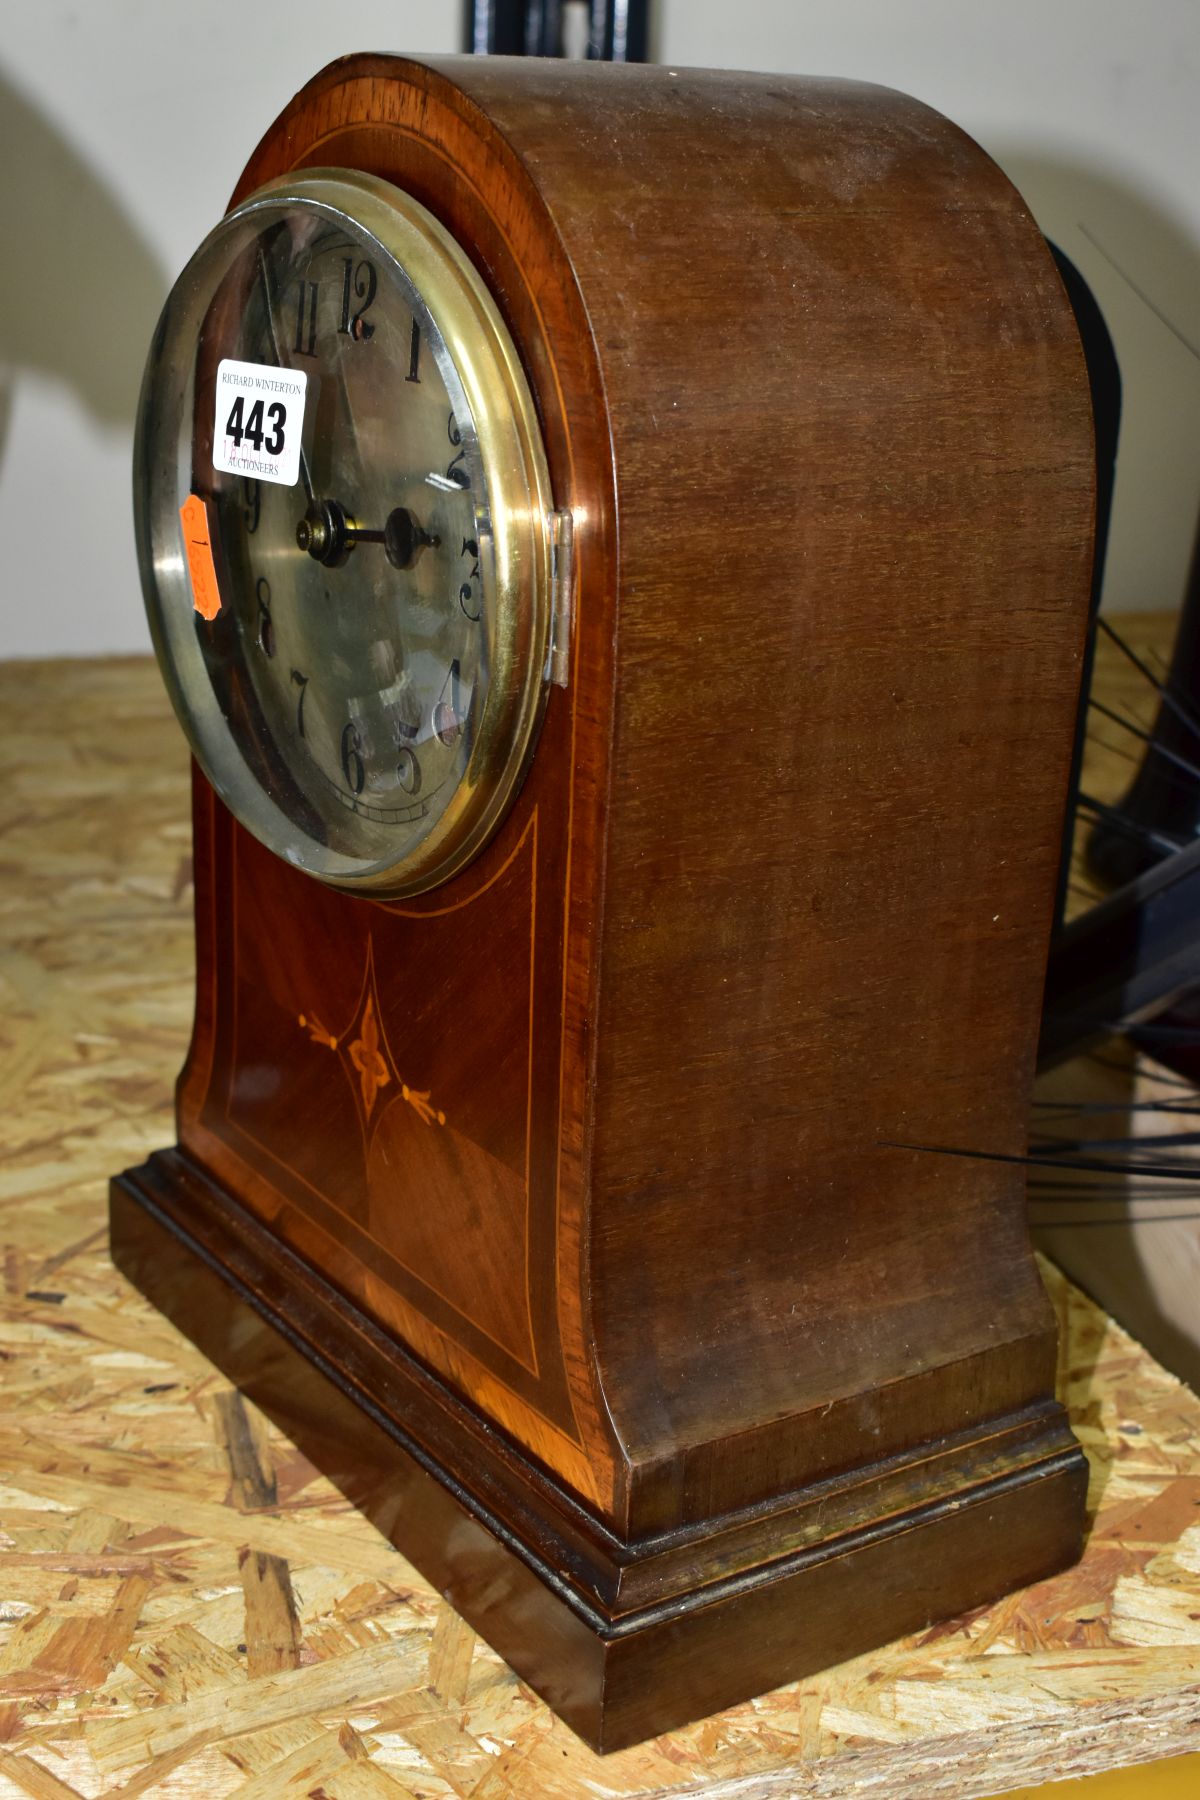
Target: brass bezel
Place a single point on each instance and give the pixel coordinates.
(517, 582)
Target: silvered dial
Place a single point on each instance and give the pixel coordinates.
(362, 666)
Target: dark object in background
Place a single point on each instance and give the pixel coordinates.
(617, 30)
(1162, 807)
(1104, 380)
(1165, 799)
(1131, 964)
(1123, 962)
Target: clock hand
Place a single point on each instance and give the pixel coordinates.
(265, 279)
(325, 532)
(402, 537)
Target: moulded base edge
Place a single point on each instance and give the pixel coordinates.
(615, 1679)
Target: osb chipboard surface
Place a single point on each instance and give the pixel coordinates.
(186, 1608)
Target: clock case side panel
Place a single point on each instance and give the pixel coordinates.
(855, 554)
(398, 121)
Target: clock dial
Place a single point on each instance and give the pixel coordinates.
(334, 397)
(357, 593)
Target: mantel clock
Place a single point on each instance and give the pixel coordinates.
(617, 540)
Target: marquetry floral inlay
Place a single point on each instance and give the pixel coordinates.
(363, 1051)
(365, 1055)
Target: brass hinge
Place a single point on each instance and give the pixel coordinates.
(562, 590)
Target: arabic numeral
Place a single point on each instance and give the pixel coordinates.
(454, 473)
(266, 625)
(408, 771)
(466, 593)
(300, 681)
(353, 767)
(358, 283)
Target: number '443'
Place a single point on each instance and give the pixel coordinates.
(248, 428)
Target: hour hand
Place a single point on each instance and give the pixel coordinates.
(404, 538)
(326, 532)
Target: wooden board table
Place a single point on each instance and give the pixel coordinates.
(187, 1609)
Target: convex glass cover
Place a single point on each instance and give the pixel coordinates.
(342, 512)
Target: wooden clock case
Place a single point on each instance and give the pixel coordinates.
(586, 1217)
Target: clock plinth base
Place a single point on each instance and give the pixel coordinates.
(624, 1640)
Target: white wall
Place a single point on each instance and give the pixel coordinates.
(124, 124)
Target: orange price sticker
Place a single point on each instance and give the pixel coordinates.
(206, 595)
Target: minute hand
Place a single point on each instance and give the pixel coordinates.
(326, 533)
(265, 279)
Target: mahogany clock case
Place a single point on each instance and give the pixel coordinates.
(580, 1216)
